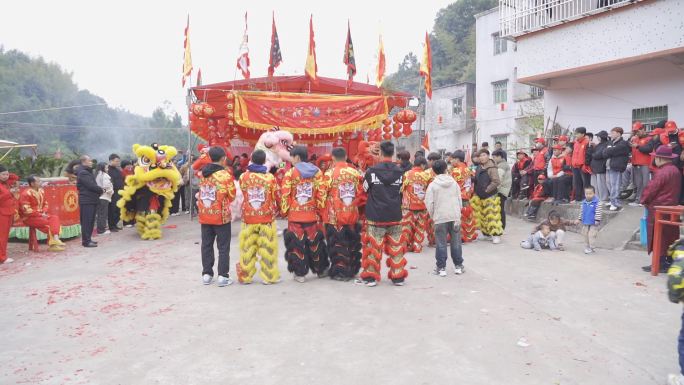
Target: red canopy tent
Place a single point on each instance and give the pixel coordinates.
(244, 109)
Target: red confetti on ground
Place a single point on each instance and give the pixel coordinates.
(640, 284)
(170, 227)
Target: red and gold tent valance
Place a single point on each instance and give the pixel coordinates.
(309, 113)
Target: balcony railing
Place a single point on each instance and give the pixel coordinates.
(518, 17)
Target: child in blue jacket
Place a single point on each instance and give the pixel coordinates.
(590, 218)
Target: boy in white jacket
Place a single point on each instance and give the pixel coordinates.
(443, 202)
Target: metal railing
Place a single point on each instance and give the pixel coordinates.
(518, 17)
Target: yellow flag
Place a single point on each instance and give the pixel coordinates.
(311, 68)
(187, 57)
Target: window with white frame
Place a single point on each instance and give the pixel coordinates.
(457, 106)
(649, 116)
(536, 92)
(500, 45)
(500, 91)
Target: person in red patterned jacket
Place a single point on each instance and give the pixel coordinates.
(217, 191)
(342, 193)
(8, 209)
(259, 234)
(34, 212)
(415, 214)
(300, 202)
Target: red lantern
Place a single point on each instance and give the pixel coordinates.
(387, 129)
(396, 118)
(386, 122)
(407, 130)
(406, 116)
(387, 136)
(397, 133)
(397, 126)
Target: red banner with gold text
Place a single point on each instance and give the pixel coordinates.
(308, 113)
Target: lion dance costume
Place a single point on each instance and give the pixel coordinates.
(301, 199)
(343, 192)
(147, 195)
(258, 234)
(461, 174)
(415, 213)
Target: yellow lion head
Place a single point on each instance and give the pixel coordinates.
(155, 169)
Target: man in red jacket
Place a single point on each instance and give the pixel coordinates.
(581, 179)
(663, 190)
(539, 160)
(641, 160)
(8, 209)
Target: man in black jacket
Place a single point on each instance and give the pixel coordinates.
(114, 214)
(617, 154)
(598, 167)
(88, 199)
(382, 183)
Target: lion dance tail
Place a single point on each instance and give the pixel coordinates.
(258, 239)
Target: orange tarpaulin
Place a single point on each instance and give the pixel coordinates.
(306, 113)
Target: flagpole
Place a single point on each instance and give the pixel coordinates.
(421, 132)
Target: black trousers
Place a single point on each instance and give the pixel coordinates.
(580, 180)
(503, 210)
(88, 213)
(113, 212)
(561, 186)
(178, 201)
(220, 233)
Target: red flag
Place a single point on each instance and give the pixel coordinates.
(276, 57)
(187, 58)
(426, 66)
(426, 143)
(349, 58)
(311, 68)
(243, 59)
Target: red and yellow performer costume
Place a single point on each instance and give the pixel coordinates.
(300, 202)
(462, 175)
(258, 235)
(384, 232)
(342, 195)
(415, 213)
(147, 194)
(33, 209)
(8, 212)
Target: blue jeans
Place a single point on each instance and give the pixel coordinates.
(614, 182)
(680, 347)
(441, 231)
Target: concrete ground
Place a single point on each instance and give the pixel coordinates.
(135, 312)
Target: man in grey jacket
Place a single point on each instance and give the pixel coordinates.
(443, 202)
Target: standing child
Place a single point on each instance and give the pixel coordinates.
(105, 182)
(443, 202)
(590, 218)
(543, 238)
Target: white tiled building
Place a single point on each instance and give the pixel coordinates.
(507, 111)
(602, 63)
(449, 117)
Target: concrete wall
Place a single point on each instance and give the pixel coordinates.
(455, 131)
(631, 31)
(604, 100)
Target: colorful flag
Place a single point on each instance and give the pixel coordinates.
(426, 143)
(243, 59)
(426, 66)
(381, 64)
(187, 58)
(276, 57)
(199, 77)
(311, 68)
(349, 58)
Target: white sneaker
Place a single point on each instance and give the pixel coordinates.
(458, 270)
(206, 279)
(613, 208)
(371, 283)
(496, 240)
(636, 204)
(441, 272)
(588, 250)
(187, 212)
(128, 226)
(107, 232)
(675, 379)
(224, 281)
(299, 279)
(9, 260)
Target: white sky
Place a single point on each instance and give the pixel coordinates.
(130, 52)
